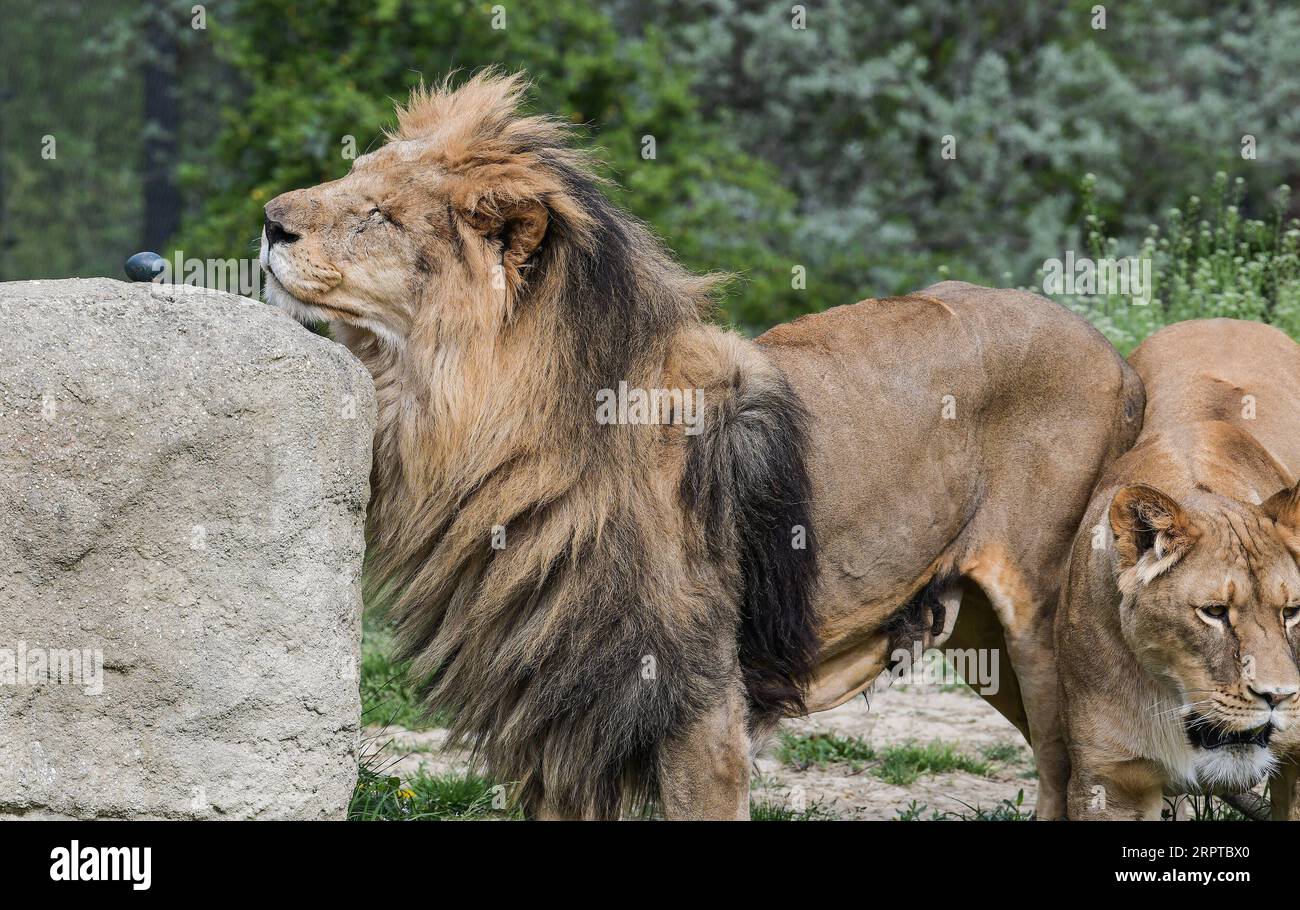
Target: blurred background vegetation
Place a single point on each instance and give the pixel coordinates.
(776, 146)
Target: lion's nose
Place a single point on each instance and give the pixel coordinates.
(277, 232)
(1274, 695)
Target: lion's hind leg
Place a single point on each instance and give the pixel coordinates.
(977, 632)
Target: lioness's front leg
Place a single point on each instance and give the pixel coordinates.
(1114, 791)
(704, 772)
(1284, 791)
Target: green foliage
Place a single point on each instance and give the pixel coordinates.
(98, 207)
(899, 764)
(1008, 810)
(1208, 260)
(822, 749)
(770, 811)
(316, 73)
(854, 109)
(902, 764)
(1200, 809)
(424, 797)
(75, 73)
(776, 147)
(1004, 752)
(388, 696)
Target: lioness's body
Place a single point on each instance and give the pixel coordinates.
(980, 491)
(1221, 435)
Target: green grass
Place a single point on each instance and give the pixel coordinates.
(902, 764)
(387, 697)
(1009, 810)
(426, 797)
(899, 764)
(1004, 752)
(822, 749)
(1201, 809)
(765, 810)
(468, 797)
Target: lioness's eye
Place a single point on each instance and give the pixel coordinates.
(1213, 611)
(1290, 614)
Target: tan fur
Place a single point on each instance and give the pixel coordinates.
(991, 499)
(1202, 514)
(446, 262)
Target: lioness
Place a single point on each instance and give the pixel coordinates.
(1179, 623)
(615, 595)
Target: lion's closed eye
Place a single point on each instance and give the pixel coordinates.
(371, 218)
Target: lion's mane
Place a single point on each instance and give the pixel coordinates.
(643, 569)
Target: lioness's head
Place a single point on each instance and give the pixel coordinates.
(1211, 606)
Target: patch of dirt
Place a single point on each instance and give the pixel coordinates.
(901, 715)
(897, 716)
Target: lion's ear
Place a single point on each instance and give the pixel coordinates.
(522, 231)
(518, 226)
(1284, 507)
(1151, 526)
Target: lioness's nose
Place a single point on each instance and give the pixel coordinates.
(1274, 695)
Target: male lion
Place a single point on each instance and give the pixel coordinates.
(1177, 642)
(614, 603)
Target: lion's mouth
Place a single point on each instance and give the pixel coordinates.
(1206, 734)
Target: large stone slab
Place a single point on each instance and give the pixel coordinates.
(183, 481)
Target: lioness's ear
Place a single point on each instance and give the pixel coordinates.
(1284, 507)
(1149, 526)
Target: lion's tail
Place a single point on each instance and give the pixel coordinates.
(748, 474)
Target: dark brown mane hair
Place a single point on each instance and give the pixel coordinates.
(644, 570)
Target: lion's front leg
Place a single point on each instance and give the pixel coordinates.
(548, 812)
(704, 772)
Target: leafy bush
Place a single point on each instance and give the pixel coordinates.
(1207, 260)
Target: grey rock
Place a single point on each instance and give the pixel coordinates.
(183, 483)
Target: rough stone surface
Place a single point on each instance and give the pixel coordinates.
(183, 482)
